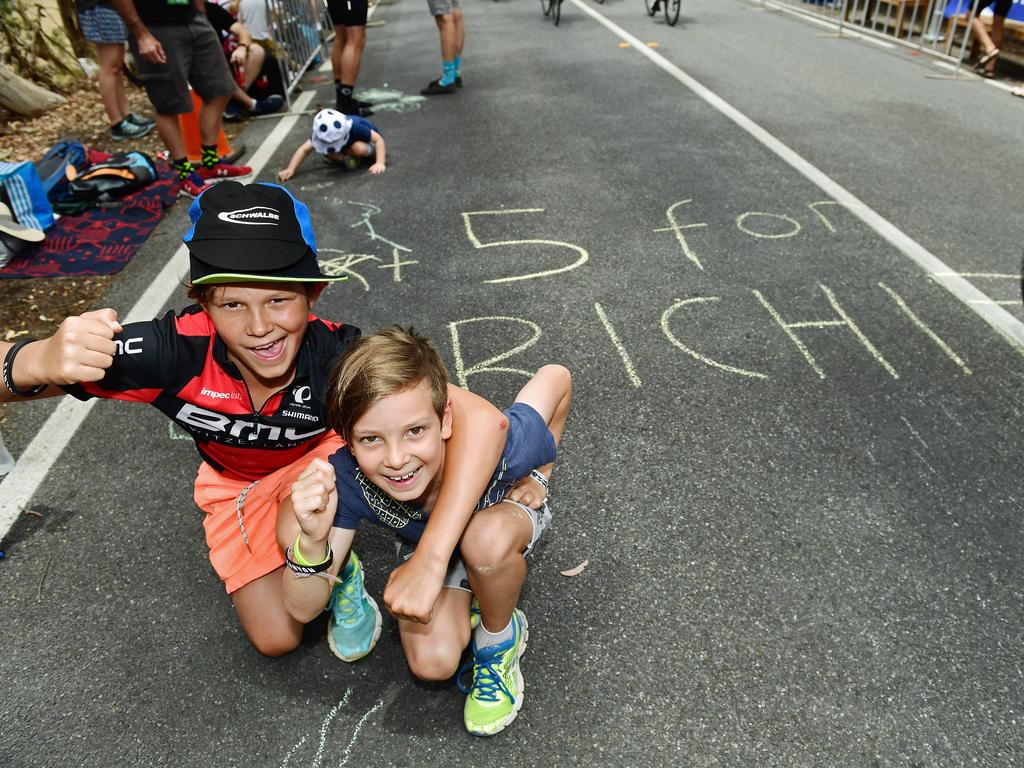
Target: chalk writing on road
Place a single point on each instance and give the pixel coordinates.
(581, 259)
(345, 262)
(763, 225)
(326, 750)
(391, 99)
(525, 334)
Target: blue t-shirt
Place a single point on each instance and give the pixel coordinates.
(360, 131)
(528, 445)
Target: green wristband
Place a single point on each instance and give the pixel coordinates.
(302, 560)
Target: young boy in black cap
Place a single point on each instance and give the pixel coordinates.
(243, 372)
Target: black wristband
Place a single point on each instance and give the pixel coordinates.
(9, 367)
(309, 570)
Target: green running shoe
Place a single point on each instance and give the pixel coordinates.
(496, 695)
(474, 614)
(355, 622)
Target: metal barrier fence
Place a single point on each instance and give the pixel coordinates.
(940, 28)
(299, 29)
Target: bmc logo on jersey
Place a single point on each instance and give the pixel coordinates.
(128, 346)
(240, 428)
(258, 214)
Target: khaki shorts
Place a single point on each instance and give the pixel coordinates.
(241, 516)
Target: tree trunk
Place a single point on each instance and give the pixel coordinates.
(23, 97)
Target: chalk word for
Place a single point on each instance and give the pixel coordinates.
(762, 225)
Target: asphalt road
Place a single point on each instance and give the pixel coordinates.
(793, 461)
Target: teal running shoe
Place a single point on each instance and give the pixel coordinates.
(355, 623)
(496, 695)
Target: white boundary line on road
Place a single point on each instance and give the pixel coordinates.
(32, 466)
(1008, 326)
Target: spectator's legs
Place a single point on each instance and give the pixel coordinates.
(170, 132)
(346, 56)
(111, 61)
(210, 120)
(450, 30)
(253, 65)
(990, 43)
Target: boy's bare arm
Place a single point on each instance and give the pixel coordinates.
(470, 457)
(81, 350)
(380, 152)
(149, 47)
(313, 502)
(298, 157)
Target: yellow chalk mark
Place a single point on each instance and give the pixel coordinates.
(652, 45)
(858, 333)
(477, 243)
(396, 265)
(787, 328)
(667, 315)
(343, 264)
(794, 225)
(462, 373)
(828, 224)
(627, 362)
(845, 320)
(677, 228)
(625, 45)
(924, 327)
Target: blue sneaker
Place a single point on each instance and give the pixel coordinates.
(496, 695)
(355, 621)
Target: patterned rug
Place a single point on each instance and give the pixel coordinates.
(100, 241)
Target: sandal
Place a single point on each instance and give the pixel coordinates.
(986, 58)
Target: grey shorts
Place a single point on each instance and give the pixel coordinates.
(194, 57)
(456, 577)
(442, 7)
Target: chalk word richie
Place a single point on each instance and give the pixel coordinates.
(796, 331)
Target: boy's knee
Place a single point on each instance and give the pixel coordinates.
(486, 543)
(274, 646)
(434, 663)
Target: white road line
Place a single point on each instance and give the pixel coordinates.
(1008, 326)
(32, 466)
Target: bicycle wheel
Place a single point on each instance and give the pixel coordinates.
(557, 10)
(671, 11)
(652, 7)
(545, 5)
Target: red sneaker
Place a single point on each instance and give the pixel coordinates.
(223, 171)
(193, 185)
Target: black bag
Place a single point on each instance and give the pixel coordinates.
(105, 182)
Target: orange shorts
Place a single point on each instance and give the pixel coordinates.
(241, 516)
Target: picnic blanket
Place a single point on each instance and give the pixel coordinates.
(100, 241)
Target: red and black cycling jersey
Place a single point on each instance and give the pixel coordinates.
(179, 365)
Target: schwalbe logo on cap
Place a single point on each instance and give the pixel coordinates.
(252, 215)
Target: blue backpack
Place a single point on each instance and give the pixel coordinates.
(52, 168)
